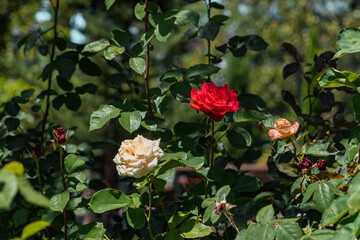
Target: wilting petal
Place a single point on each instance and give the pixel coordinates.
(273, 134)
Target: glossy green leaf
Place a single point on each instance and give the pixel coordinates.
(120, 37)
(111, 52)
(309, 192)
(195, 162)
(136, 217)
(353, 200)
(222, 193)
(72, 162)
(322, 234)
(109, 3)
(108, 199)
(59, 201)
(137, 64)
(349, 41)
(265, 214)
(101, 116)
(323, 196)
(288, 231)
(130, 121)
(96, 46)
(193, 228)
(210, 30)
(201, 70)
(181, 91)
(333, 78)
(261, 232)
(96, 232)
(33, 228)
(239, 137)
(139, 10)
(163, 30)
(20, 217)
(356, 106)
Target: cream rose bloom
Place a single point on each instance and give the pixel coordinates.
(137, 157)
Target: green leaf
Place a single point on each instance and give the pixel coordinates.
(136, 217)
(149, 125)
(193, 228)
(288, 231)
(187, 16)
(139, 10)
(251, 102)
(72, 162)
(86, 88)
(178, 218)
(89, 68)
(354, 193)
(96, 46)
(323, 196)
(336, 210)
(239, 138)
(101, 116)
(195, 162)
(222, 193)
(163, 30)
(27, 93)
(309, 192)
(210, 30)
(322, 234)
(109, 3)
(265, 214)
(181, 91)
(20, 217)
(9, 188)
(59, 201)
(96, 232)
(29, 194)
(130, 121)
(201, 70)
(319, 148)
(146, 37)
(108, 199)
(33, 228)
(120, 37)
(261, 232)
(296, 185)
(73, 101)
(137, 64)
(356, 106)
(111, 52)
(349, 41)
(333, 78)
(247, 184)
(160, 104)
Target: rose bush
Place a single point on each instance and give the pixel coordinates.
(138, 157)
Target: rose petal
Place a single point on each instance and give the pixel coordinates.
(273, 134)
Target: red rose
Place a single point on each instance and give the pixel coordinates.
(214, 101)
(36, 152)
(59, 136)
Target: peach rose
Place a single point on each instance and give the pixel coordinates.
(283, 129)
(137, 157)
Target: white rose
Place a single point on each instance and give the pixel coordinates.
(138, 157)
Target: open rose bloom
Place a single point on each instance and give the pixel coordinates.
(283, 129)
(214, 101)
(137, 157)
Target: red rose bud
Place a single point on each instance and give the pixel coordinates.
(59, 136)
(36, 152)
(321, 165)
(214, 101)
(304, 165)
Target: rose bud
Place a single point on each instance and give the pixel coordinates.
(214, 101)
(36, 152)
(59, 136)
(223, 206)
(321, 165)
(137, 157)
(304, 165)
(283, 129)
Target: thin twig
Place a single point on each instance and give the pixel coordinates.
(232, 222)
(64, 184)
(148, 216)
(52, 54)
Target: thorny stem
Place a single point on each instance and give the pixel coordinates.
(146, 76)
(212, 144)
(38, 170)
(161, 203)
(148, 216)
(52, 54)
(208, 41)
(232, 222)
(64, 184)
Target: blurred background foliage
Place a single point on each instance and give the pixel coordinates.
(310, 25)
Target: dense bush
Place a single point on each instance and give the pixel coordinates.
(46, 187)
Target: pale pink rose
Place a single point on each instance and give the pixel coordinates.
(283, 129)
(137, 157)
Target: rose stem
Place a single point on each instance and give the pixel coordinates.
(64, 184)
(208, 41)
(212, 144)
(232, 222)
(161, 203)
(146, 76)
(38, 170)
(150, 206)
(52, 54)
